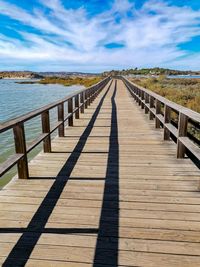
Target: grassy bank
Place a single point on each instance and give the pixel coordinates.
(185, 92)
(66, 81)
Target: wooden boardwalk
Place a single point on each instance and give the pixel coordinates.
(111, 193)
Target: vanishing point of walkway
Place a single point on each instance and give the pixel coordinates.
(111, 193)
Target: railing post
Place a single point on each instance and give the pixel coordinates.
(89, 95)
(82, 102)
(20, 148)
(86, 99)
(70, 110)
(92, 95)
(182, 131)
(46, 129)
(142, 97)
(61, 128)
(99, 89)
(139, 97)
(132, 92)
(151, 105)
(96, 89)
(167, 119)
(158, 110)
(147, 102)
(77, 106)
(136, 96)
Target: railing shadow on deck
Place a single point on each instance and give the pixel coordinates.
(107, 248)
(22, 250)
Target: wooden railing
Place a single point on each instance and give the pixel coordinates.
(77, 102)
(174, 119)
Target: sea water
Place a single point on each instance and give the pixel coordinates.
(18, 99)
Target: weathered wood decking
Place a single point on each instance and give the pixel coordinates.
(112, 193)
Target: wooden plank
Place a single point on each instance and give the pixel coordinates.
(127, 258)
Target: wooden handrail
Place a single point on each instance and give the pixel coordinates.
(30, 115)
(188, 112)
(153, 103)
(76, 102)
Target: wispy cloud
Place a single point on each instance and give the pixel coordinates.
(54, 37)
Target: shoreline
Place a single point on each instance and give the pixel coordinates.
(17, 78)
(87, 82)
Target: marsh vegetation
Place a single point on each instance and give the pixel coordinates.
(185, 92)
(69, 81)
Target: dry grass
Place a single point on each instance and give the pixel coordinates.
(185, 92)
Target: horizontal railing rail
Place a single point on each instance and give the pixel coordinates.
(162, 110)
(77, 102)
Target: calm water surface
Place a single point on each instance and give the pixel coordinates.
(185, 76)
(17, 99)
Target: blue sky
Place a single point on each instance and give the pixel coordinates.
(98, 35)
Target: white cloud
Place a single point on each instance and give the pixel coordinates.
(71, 39)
